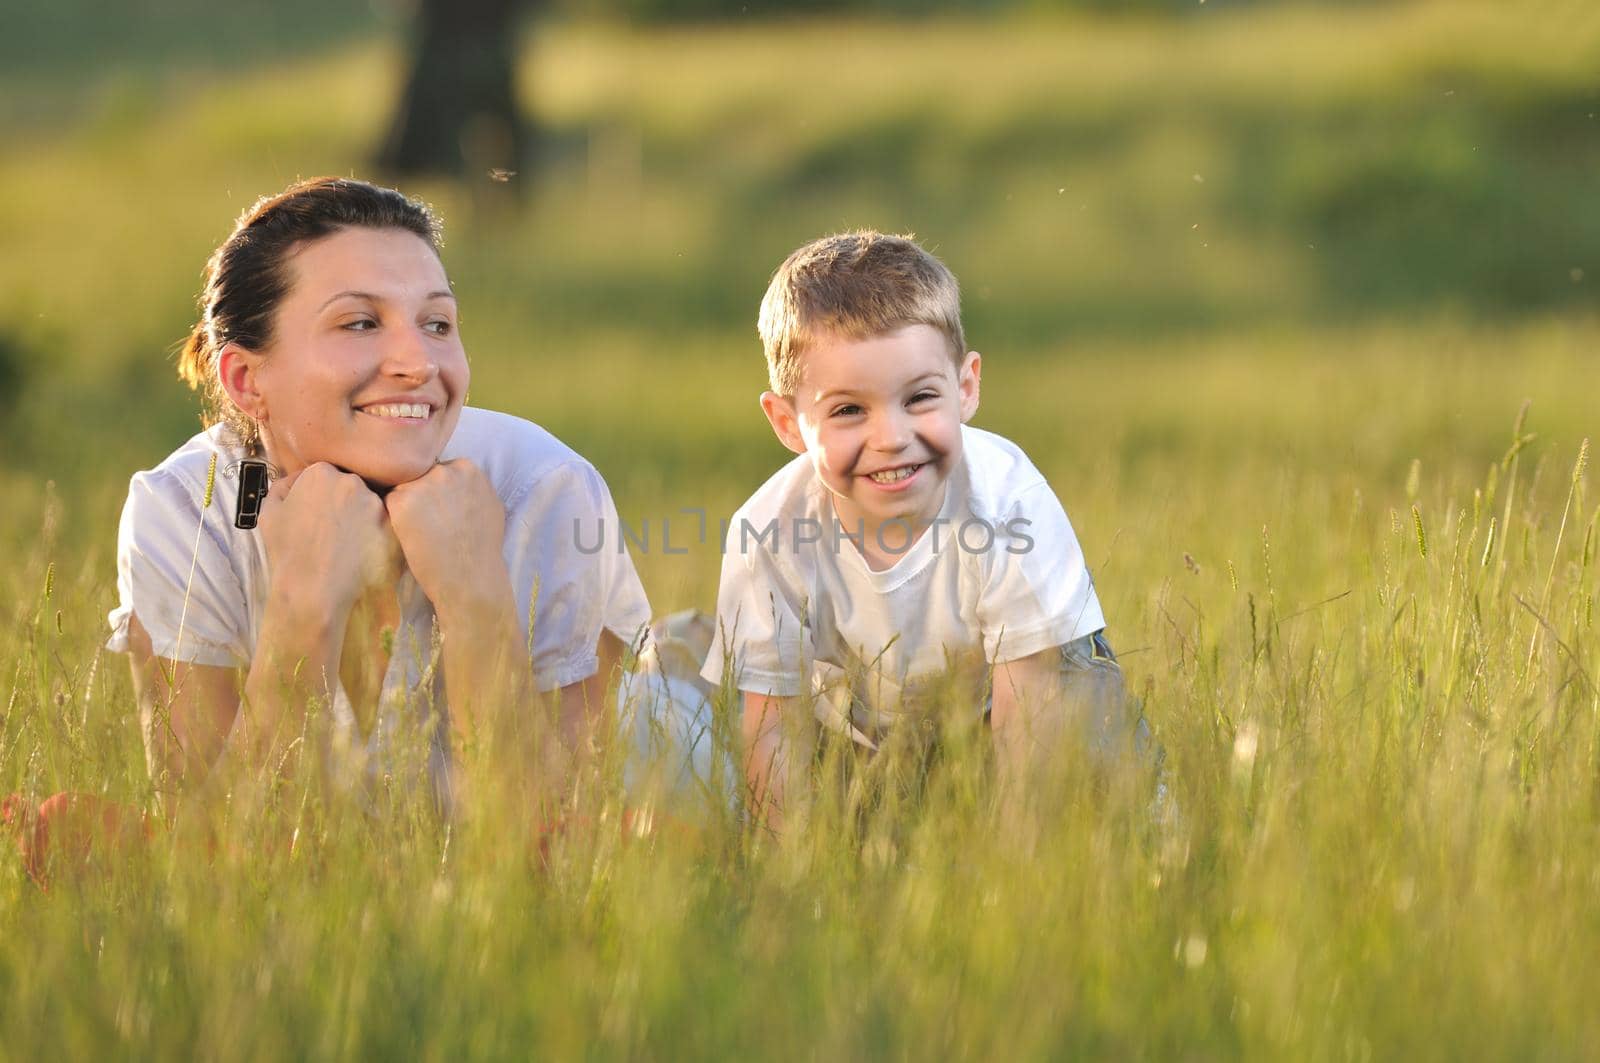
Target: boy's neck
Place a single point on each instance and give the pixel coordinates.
(883, 543)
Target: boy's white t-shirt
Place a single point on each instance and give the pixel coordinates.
(797, 616)
(199, 585)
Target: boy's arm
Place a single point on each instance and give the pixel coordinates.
(777, 747)
(1042, 702)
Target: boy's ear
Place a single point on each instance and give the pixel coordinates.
(785, 422)
(967, 381)
(238, 369)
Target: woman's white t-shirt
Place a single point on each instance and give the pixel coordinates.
(199, 585)
(999, 576)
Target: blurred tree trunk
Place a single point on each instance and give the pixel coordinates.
(458, 114)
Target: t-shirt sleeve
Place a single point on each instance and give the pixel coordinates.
(175, 573)
(571, 574)
(760, 637)
(1037, 592)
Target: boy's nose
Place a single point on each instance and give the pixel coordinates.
(890, 432)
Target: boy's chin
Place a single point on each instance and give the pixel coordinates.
(909, 513)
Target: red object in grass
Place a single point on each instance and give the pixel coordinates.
(67, 829)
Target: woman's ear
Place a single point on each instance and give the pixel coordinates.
(238, 370)
(785, 424)
(967, 380)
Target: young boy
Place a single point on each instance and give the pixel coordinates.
(902, 552)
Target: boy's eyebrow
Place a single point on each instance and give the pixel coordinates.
(373, 298)
(932, 374)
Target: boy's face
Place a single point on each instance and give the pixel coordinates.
(881, 420)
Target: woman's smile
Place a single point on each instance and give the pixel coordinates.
(367, 371)
(405, 412)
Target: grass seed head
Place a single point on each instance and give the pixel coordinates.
(211, 482)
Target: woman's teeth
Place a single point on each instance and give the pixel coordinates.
(891, 476)
(398, 409)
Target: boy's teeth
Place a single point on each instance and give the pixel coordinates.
(399, 409)
(895, 475)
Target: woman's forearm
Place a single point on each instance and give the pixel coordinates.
(296, 660)
(485, 662)
(498, 747)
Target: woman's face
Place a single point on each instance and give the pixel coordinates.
(366, 370)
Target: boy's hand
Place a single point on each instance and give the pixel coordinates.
(1062, 703)
(776, 745)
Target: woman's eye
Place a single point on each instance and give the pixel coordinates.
(361, 324)
(440, 327)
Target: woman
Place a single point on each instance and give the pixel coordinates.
(414, 566)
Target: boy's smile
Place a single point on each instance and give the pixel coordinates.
(881, 420)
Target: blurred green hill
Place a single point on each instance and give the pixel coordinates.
(1117, 194)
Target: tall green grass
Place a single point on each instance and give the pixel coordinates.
(1380, 724)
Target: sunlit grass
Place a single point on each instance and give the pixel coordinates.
(1385, 761)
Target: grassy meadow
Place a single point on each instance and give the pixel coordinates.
(1293, 306)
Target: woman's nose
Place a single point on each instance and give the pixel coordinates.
(410, 357)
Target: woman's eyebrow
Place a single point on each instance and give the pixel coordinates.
(372, 298)
(349, 295)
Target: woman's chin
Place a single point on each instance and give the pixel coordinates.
(382, 478)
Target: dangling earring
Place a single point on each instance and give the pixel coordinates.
(253, 485)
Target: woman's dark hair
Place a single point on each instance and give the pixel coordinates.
(248, 276)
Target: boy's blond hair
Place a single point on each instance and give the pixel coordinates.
(855, 285)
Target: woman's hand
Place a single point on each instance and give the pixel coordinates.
(451, 526)
(328, 539)
(450, 523)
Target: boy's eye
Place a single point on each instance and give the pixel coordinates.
(849, 409)
(924, 396)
